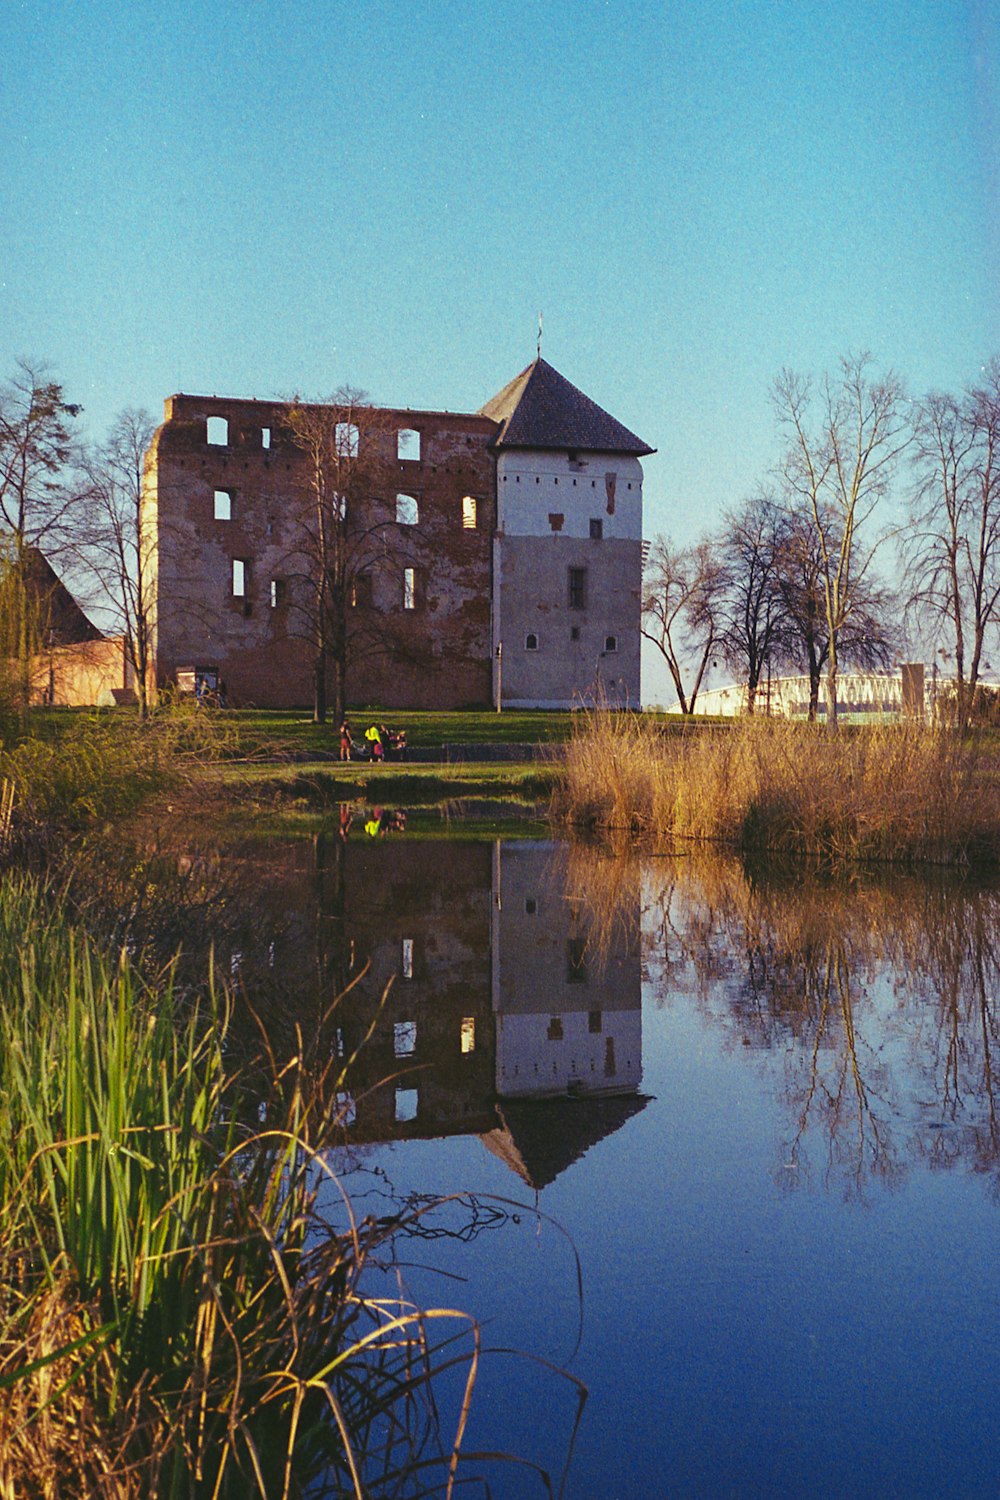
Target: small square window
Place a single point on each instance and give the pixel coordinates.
(404, 1038)
(555, 1031)
(531, 642)
(596, 530)
(610, 643)
(574, 632)
(218, 432)
(346, 438)
(408, 443)
(223, 505)
(530, 906)
(407, 1103)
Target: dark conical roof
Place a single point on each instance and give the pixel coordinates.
(541, 409)
(539, 1138)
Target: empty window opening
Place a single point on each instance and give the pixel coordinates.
(555, 1031)
(611, 643)
(277, 592)
(574, 632)
(530, 906)
(595, 1022)
(407, 959)
(531, 642)
(347, 1110)
(265, 437)
(346, 439)
(240, 572)
(361, 591)
(223, 505)
(406, 1105)
(576, 960)
(408, 443)
(340, 505)
(409, 588)
(596, 530)
(404, 1038)
(407, 510)
(218, 432)
(468, 1034)
(556, 519)
(269, 528)
(468, 512)
(577, 588)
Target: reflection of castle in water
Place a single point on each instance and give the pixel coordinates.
(486, 1007)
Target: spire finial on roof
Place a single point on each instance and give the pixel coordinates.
(539, 335)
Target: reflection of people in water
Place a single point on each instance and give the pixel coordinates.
(381, 821)
(346, 819)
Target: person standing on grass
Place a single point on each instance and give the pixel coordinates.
(346, 740)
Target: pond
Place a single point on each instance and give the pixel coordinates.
(725, 1142)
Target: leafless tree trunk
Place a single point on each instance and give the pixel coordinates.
(682, 611)
(754, 613)
(954, 544)
(844, 444)
(119, 545)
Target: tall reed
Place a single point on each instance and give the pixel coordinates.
(895, 793)
(177, 1317)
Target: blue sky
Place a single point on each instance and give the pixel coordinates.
(257, 199)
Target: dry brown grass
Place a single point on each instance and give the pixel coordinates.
(899, 793)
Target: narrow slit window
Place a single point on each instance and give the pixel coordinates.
(223, 505)
(407, 510)
(409, 588)
(408, 444)
(407, 958)
(277, 592)
(576, 961)
(578, 588)
(468, 1034)
(218, 432)
(265, 437)
(239, 578)
(469, 512)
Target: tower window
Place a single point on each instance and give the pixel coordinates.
(611, 643)
(223, 505)
(218, 432)
(407, 510)
(531, 642)
(468, 512)
(596, 530)
(577, 580)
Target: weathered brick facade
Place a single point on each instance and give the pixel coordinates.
(547, 582)
(421, 622)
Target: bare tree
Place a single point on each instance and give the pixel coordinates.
(954, 543)
(845, 440)
(682, 611)
(39, 497)
(754, 612)
(341, 532)
(119, 545)
(869, 636)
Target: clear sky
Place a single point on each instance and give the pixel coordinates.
(255, 199)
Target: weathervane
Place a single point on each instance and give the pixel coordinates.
(539, 335)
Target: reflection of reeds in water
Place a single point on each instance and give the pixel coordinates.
(176, 1314)
(881, 794)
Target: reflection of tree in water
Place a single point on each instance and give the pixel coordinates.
(880, 994)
